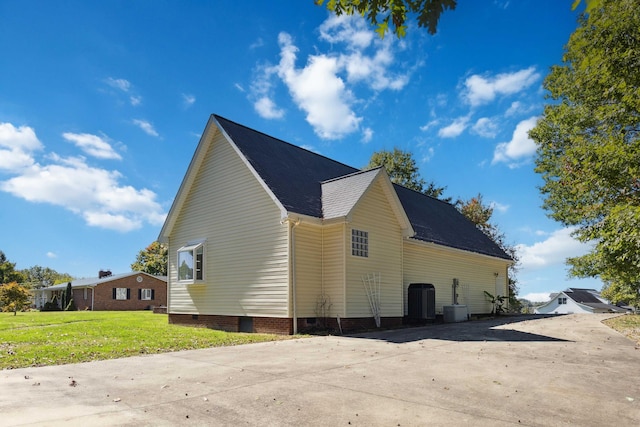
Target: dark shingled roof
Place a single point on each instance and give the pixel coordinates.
(295, 175)
(582, 296)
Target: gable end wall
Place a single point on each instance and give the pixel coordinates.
(246, 248)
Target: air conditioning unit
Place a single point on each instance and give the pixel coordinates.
(454, 313)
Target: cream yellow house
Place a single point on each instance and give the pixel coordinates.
(265, 236)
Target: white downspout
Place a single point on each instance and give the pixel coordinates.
(293, 274)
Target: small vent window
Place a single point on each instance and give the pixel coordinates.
(359, 243)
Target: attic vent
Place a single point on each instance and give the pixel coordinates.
(104, 273)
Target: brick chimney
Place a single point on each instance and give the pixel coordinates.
(104, 273)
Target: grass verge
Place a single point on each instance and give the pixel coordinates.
(627, 325)
(56, 338)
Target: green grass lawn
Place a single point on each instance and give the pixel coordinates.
(55, 338)
(627, 325)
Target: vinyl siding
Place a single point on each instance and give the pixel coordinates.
(308, 262)
(439, 266)
(333, 273)
(246, 249)
(374, 215)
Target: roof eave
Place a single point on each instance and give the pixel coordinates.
(439, 246)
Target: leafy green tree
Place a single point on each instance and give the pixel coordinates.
(402, 169)
(41, 277)
(622, 293)
(153, 260)
(381, 13)
(14, 297)
(480, 214)
(589, 143)
(591, 4)
(8, 272)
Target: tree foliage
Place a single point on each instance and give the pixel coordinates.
(589, 142)
(14, 297)
(382, 13)
(41, 277)
(152, 260)
(8, 272)
(403, 169)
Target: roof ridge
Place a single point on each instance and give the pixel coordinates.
(359, 172)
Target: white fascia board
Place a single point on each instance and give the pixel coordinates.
(283, 211)
(444, 248)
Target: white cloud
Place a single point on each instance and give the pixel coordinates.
(16, 147)
(124, 86)
(324, 86)
(426, 157)
(482, 90)
(429, 125)
(554, 250)
(262, 93)
(349, 29)
(318, 91)
(146, 127)
(93, 193)
(121, 84)
(367, 134)
(373, 70)
(520, 146)
(538, 296)
(485, 127)
(188, 100)
(258, 43)
(92, 145)
(499, 207)
(267, 109)
(454, 129)
(52, 255)
(518, 108)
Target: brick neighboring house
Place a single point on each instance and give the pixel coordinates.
(128, 291)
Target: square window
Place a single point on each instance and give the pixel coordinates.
(359, 243)
(191, 262)
(146, 294)
(121, 293)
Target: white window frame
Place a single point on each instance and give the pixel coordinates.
(145, 294)
(193, 253)
(359, 243)
(121, 294)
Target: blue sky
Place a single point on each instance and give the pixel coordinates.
(102, 105)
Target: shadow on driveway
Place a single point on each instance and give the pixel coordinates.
(475, 330)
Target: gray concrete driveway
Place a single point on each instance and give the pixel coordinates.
(517, 371)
